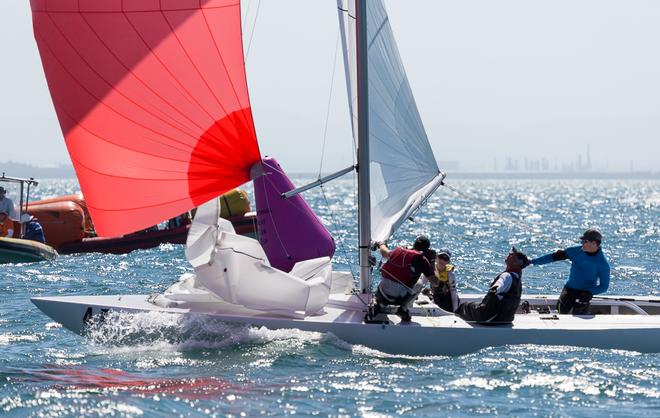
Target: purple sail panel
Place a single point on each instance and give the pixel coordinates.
(289, 231)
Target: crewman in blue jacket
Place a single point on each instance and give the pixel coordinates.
(33, 229)
(590, 273)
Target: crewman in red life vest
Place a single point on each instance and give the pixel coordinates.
(400, 284)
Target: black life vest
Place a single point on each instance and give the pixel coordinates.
(503, 310)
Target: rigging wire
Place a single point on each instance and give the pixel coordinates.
(342, 246)
(526, 227)
(327, 112)
(254, 25)
(335, 223)
(501, 215)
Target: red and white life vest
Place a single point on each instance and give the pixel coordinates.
(399, 267)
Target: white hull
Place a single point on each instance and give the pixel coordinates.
(431, 331)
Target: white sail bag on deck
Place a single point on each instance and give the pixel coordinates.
(235, 269)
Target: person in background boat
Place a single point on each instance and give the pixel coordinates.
(590, 273)
(33, 229)
(400, 275)
(6, 224)
(443, 288)
(6, 204)
(152, 228)
(179, 221)
(501, 302)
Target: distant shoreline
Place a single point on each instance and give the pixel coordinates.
(66, 171)
(465, 175)
(606, 175)
(13, 169)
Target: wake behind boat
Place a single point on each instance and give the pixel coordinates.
(176, 113)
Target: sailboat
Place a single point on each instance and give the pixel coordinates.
(153, 102)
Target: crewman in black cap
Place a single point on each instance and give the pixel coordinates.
(590, 273)
(501, 302)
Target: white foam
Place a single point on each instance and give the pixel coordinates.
(131, 333)
(14, 338)
(167, 247)
(370, 352)
(479, 382)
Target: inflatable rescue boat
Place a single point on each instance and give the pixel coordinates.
(15, 250)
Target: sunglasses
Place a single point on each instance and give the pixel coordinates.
(590, 240)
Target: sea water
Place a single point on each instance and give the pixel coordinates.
(162, 365)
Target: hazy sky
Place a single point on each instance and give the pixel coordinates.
(521, 78)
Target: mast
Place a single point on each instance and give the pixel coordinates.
(364, 200)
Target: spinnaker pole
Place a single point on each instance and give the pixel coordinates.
(364, 200)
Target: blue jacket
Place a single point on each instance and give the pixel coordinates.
(588, 272)
(34, 232)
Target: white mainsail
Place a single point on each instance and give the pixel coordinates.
(403, 169)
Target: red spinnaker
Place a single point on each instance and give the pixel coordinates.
(153, 103)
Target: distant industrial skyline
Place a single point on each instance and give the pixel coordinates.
(577, 163)
(519, 169)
